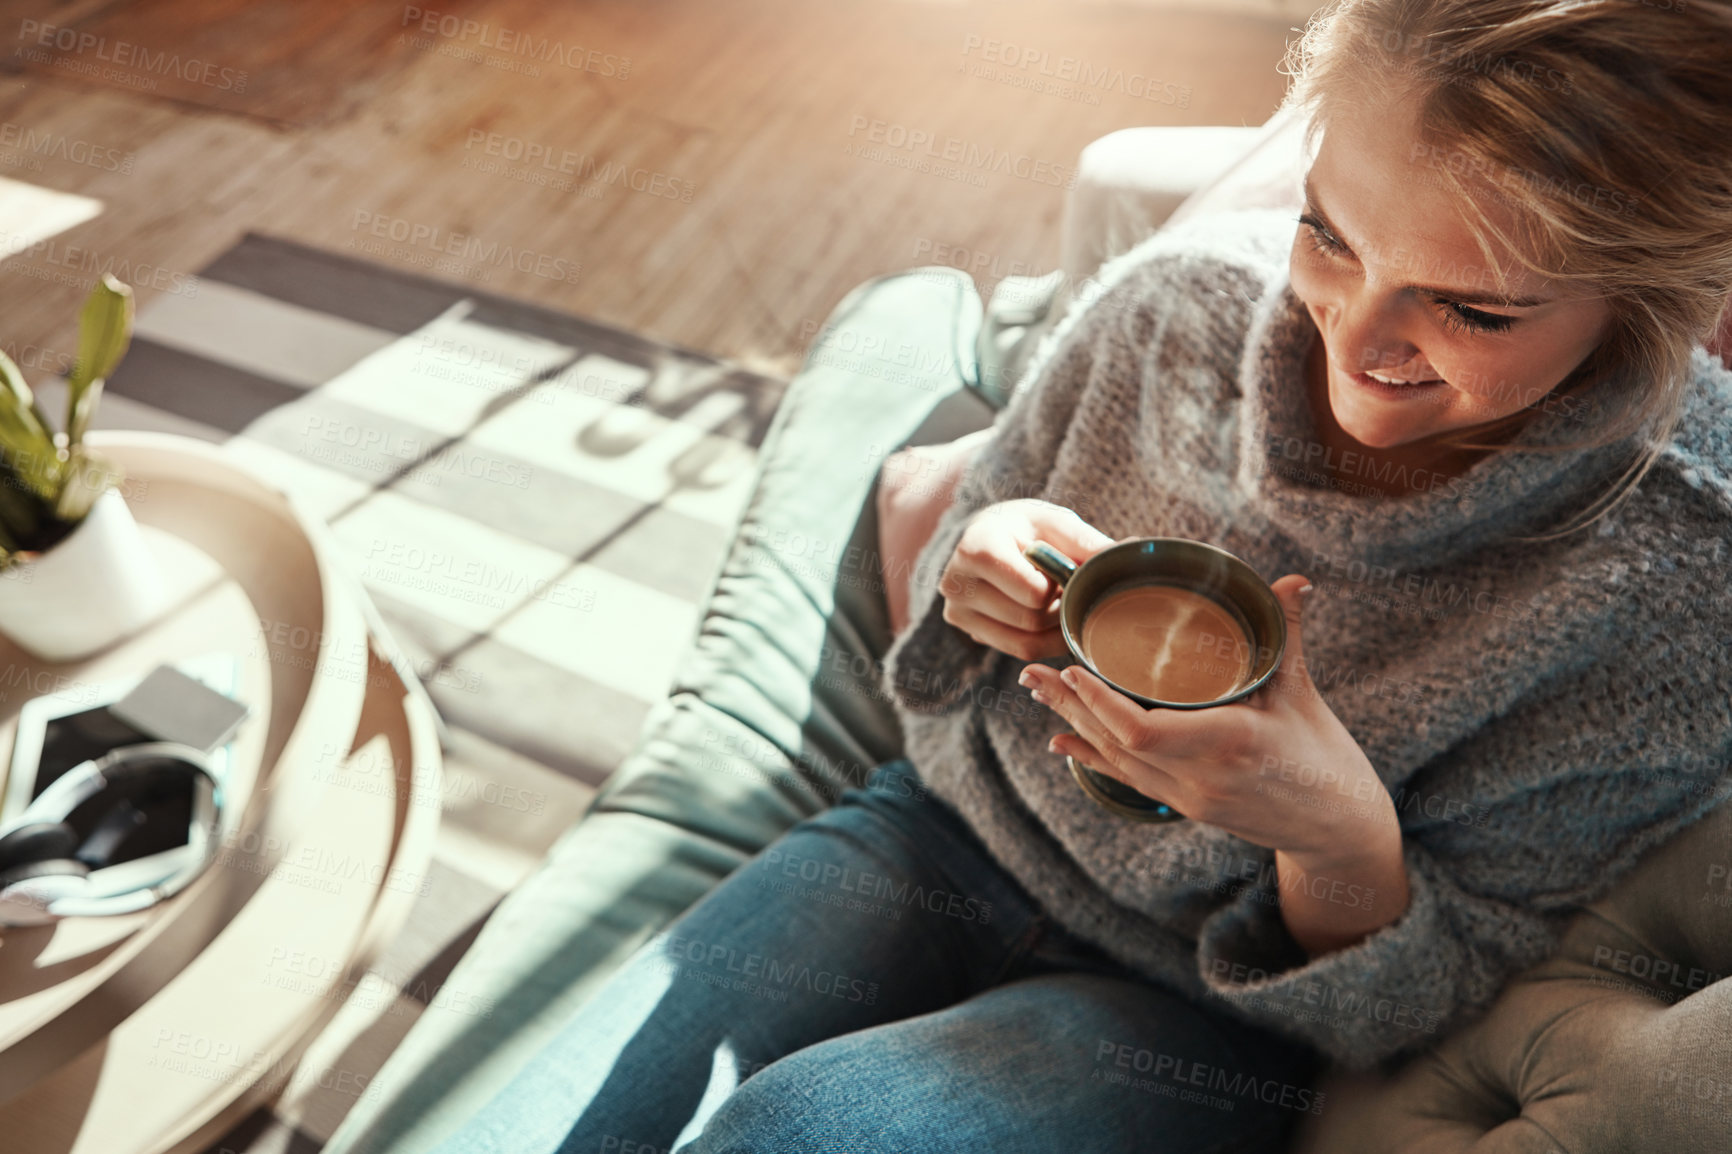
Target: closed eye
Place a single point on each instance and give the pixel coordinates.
(1321, 238)
(1457, 318)
(1464, 319)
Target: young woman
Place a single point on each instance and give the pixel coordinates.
(1461, 407)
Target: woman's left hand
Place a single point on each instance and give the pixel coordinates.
(1277, 769)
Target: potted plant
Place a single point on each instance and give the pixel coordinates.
(75, 575)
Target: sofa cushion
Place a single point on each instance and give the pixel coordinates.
(797, 620)
(773, 713)
(1622, 1041)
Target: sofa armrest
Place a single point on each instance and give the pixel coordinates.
(1622, 1041)
(1131, 182)
(1128, 185)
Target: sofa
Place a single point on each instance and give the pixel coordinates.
(1620, 1042)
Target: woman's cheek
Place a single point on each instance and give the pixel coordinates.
(1479, 383)
(1499, 387)
(1306, 275)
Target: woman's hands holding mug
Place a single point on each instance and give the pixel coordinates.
(1271, 769)
(1277, 769)
(995, 594)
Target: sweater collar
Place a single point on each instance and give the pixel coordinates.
(1506, 493)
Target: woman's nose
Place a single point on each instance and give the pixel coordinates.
(1370, 336)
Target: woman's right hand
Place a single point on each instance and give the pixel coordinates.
(996, 595)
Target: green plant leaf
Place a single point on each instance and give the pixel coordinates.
(18, 394)
(25, 441)
(88, 476)
(80, 407)
(104, 332)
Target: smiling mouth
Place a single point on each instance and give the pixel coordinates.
(1383, 380)
(1393, 387)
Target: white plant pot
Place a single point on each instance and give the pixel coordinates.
(100, 585)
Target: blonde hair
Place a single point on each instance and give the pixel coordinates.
(1606, 126)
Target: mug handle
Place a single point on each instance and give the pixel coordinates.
(1051, 562)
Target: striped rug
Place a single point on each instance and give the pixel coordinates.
(536, 504)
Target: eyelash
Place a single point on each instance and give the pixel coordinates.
(1457, 318)
(1321, 238)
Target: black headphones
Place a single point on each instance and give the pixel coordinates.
(45, 865)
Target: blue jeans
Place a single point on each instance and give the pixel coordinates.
(874, 981)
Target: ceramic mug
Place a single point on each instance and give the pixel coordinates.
(1193, 566)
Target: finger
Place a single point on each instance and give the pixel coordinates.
(1174, 733)
(1086, 755)
(990, 602)
(991, 550)
(1016, 642)
(1293, 677)
(1057, 526)
(1145, 779)
(1063, 700)
(1128, 722)
(1066, 531)
(1044, 683)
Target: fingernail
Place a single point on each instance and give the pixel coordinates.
(1069, 677)
(1026, 678)
(1305, 588)
(1052, 745)
(1039, 697)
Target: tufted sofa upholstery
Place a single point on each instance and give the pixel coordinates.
(1622, 1041)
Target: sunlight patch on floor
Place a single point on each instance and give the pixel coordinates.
(30, 214)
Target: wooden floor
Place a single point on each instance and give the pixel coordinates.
(496, 142)
(768, 140)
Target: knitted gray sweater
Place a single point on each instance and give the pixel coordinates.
(1542, 714)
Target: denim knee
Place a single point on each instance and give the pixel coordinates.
(893, 1089)
(803, 1102)
(765, 1112)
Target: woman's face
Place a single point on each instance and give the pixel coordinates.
(1400, 292)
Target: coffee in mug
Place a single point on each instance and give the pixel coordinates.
(1168, 643)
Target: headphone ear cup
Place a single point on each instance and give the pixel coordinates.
(28, 891)
(37, 841)
(57, 867)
